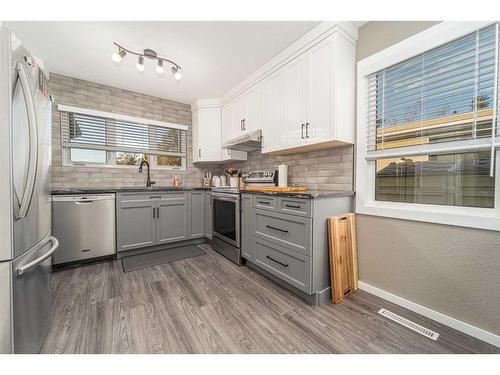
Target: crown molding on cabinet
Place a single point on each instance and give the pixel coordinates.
(205, 103)
(301, 45)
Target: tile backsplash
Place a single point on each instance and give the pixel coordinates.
(327, 169)
(330, 169)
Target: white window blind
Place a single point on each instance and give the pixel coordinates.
(448, 94)
(89, 131)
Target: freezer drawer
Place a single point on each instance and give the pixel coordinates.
(84, 226)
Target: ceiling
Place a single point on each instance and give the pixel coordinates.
(214, 56)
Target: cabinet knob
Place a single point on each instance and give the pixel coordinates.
(307, 130)
(302, 131)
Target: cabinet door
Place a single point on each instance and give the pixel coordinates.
(273, 110)
(135, 225)
(208, 214)
(227, 122)
(196, 138)
(209, 134)
(320, 91)
(239, 115)
(171, 221)
(253, 102)
(246, 227)
(295, 90)
(196, 214)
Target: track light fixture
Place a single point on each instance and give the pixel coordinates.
(118, 56)
(159, 67)
(177, 73)
(140, 64)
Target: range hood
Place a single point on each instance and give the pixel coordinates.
(250, 141)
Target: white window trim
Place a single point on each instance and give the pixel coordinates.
(483, 218)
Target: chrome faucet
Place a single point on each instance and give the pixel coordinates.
(149, 183)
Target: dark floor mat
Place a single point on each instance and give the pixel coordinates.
(154, 258)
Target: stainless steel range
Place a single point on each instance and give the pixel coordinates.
(226, 219)
(226, 223)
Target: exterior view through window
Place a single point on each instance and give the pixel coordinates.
(96, 140)
(443, 96)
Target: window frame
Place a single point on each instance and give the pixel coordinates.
(110, 155)
(474, 217)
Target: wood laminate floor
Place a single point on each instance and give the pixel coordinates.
(209, 305)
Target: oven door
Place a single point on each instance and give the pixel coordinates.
(226, 217)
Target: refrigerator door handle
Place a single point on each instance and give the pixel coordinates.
(34, 263)
(33, 144)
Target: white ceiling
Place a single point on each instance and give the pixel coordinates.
(214, 56)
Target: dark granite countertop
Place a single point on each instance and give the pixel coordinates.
(124, 190)
(308, 194)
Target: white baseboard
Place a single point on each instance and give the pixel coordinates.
(466, 328)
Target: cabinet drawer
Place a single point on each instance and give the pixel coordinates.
(127, 197)
(265, 202)
(300, 207)
(132, 197)
(294, 269)
(289, 231)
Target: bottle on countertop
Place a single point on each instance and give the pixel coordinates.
(176, 181)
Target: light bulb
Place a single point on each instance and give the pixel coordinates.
(159, 68)
(140, 64)
(177, 73)
(118, 56)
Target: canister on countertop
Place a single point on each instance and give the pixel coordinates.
(283, 175)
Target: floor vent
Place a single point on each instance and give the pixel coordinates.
(409, 324)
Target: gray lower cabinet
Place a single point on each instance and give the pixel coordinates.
(149, 219)
(208, 214)
(287, 238)
(135, 224)
(292, 267)
(246, 227)
(197, 214)
(171, 219)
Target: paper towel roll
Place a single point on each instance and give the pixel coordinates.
(283, 175)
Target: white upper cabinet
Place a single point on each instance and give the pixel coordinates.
(208, 135)
(227, 121)
(320, 98)
(273, 111)
(246, 112)
(293, 133)
(253, 109)
(229, 132)
(303, 99)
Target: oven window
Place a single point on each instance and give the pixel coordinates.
(224, 218)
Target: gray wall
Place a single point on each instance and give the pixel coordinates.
(76, 92)
(453, 270)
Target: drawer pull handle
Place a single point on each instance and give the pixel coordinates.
(261, 202)
(278, 229)
(291, 206)
(277, 261)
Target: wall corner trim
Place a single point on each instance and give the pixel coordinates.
(459, 325)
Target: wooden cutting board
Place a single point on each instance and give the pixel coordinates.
(343, 256)
(276, 188)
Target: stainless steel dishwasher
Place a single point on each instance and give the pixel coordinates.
(85, 227)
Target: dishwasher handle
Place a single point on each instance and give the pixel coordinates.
(82, 199)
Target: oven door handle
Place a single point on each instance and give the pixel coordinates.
(227, 199)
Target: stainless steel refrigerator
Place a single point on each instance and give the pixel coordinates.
(26, 242)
